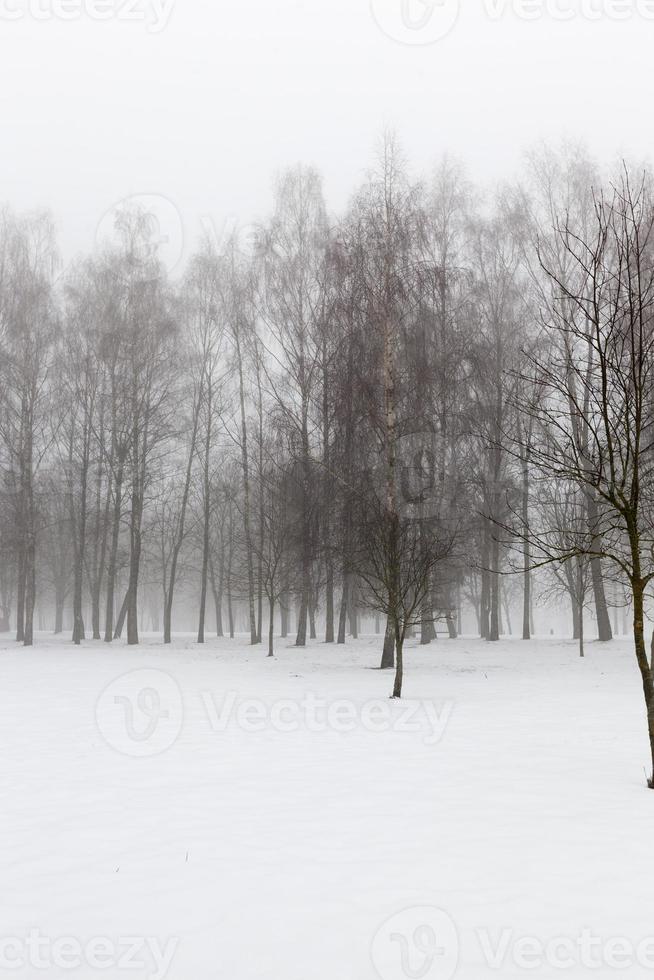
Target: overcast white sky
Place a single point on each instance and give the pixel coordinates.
(204, 111)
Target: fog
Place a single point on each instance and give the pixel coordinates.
(326, 488)
(205, 110)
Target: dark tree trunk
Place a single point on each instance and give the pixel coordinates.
(206, 509)
(507, 613)
(30, 590)
(134, 566)
(342, 613)
(230, 610)
(167, 616)
(643, 664)
(262, 521)
(580, 615)
(78, 522)
(169, 592)
(113, 554)
(217, 590)
(484, 600)
(20, 596)
(352, 610)
(140, 449)
(427, 630)
(271, 627)
(312, 620)
(604, 632)
(574, 605)
(95, 614)
(526, 572)
(122, 615)
(329, 603)
(100, 536)
(301, 637)
(246, 493)
(451, 624)
(494, 631)
(79, 538)
(327, 511)
(30, 548)
(59, 613)
(388, 652)
(283, 608)
(399, 666)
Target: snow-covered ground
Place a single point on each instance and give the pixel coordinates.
(210, 813)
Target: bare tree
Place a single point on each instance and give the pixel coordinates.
(396, 558)
(28, 333)
(277, 540)
(561, 183)
(294, 253)
(596, 389)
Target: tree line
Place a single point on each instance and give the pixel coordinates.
(438, 401)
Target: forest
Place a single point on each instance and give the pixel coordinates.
(435, 405)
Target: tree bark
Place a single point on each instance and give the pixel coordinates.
(388, 652)
(59, 613)
(113, 551)
(494, 630)
(352, 609)
(312, 619)
(30, 590)
(604, 632)
(342, 614)
(246, 490)
(206, 516)
(484, 600)
(134, 567)
(327, 511)
(643, 664)
(399, 666)
(217, 589)
(526, 572)
(20, 595)
(271, 628)
(78, 524)
(283, 608)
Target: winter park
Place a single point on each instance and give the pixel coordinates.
(326, 490)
